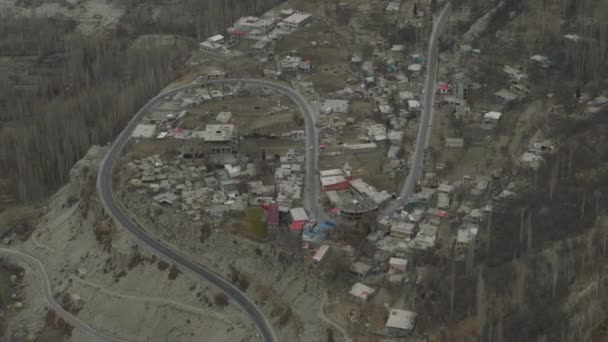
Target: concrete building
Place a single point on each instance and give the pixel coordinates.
(402, 230)
(400, 322)
(361, 291)
(364, 189)
(296, 20)
(252, 25)
(490, 120)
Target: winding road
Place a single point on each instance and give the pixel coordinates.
(74, 321)
(426, 117)
(115, 210)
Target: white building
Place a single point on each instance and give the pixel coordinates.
(361, 291)
(400, 321)
(296, 20)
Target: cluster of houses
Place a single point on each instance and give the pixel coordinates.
(261, 31)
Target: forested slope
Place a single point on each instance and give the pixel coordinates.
(61, 92)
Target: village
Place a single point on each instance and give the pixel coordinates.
(219, 164)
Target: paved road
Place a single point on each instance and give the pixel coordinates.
(426, 117)
(74, 321)
(114, 209)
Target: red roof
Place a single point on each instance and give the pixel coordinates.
(442, 213)
(297, 225)
(444, 86)
(272, 213)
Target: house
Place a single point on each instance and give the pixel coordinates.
(397, 265)
(376, 132)
(454, 143)
(211, 46)
(443, 88)
(504, 96)
(272, 214)
(490, 120)
(443, 201)
(296, 20)
(400, 322)
(402, 230)
(364, 189)
(334, 183)
(413, 105)
(251, 25)
(298, 218)
(361, 291)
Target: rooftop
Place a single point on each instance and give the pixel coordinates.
(219, 132)
(361, 291)
(492, 115)
(297, 18)
(298, 214)
(401, 319)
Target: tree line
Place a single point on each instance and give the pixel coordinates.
(64, 92)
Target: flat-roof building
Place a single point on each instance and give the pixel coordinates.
(297, 20)
(400, 321)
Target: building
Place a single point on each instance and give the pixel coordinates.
(454, 143)
(294, 64)
(397, 265)
(504, 96)
(219, 144)
(364, 189)
(400, 322)
(210, 46)
(490, 120)
(252, 25)
(402, 230)
(330, 183)
(298, 218)
(361, 291)
(296, 20)
(413, 105)
(443, 88)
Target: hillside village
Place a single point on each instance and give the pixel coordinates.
(219, 169)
